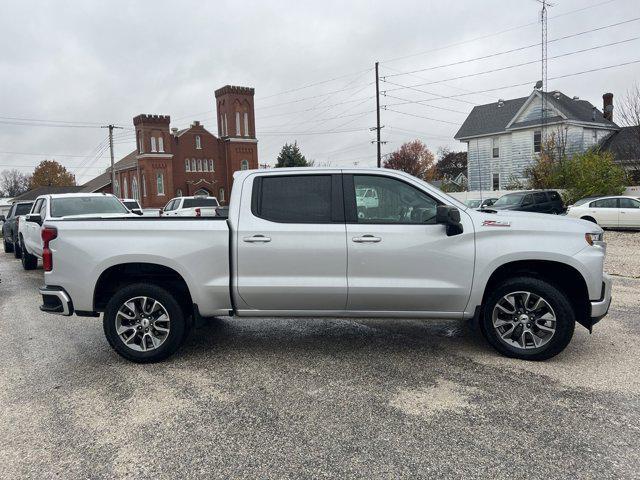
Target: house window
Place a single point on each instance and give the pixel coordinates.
(594, 136)
(187, 165)
(495, 181)
(116, 190)
(160, 144)
(237, 124)
(199, 165)
(496, 147)
(198, 142)
(144, 186)
(160, 183)
(246, 124)
(537, 141)
(153, 144)
(140, 150)
(134, 188)
(125, 188)
(244, 165)
(205, 165)
(179, 192)
(221, 195)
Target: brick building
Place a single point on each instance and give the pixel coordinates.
(169, 162)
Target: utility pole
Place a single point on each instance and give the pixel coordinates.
(113, 172)
(544, 79)
(378, 127)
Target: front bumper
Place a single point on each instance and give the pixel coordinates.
(600, 307)
(55, 300)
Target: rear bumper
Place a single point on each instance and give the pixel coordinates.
(600, 307)
(55, 300)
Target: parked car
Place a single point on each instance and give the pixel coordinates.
(132, 205)
(294, 245)
(487, 202)
(198, 206)
(542, 201)
(62, 205)
(10, 227)
(612, 212)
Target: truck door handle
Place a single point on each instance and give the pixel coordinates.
(257, 239)
(366, 239)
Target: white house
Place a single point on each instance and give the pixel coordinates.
(504, 137)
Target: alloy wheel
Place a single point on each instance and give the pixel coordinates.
(142, 323)
(524, 320)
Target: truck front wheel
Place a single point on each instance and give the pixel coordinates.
(527, 318)
(144, 323)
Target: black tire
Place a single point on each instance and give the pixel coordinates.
(557, 299)
(17, 251)
(29, 262)
(8, 247)
(178, 324)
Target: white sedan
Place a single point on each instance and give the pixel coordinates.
(613, 212)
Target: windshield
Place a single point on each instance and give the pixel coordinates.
(200, 202)
(23, 209)
(510, 199)
(131, 205)
(472, 203)
(63, 207)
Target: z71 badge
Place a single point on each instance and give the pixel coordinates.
(495, 223)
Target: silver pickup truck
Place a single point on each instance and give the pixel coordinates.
(297, 243)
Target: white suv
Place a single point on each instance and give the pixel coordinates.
(198, 206)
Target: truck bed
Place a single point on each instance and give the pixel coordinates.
(196, 248)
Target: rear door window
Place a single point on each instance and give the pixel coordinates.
(22, 209)
(605, 203)
(540, 197)
(629, 203)
(294, 198)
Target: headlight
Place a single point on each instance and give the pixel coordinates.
(594, 238)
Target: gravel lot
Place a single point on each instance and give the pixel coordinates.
(318, 398)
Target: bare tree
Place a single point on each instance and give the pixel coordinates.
(629, 111)
(13, 183)
(629, 116)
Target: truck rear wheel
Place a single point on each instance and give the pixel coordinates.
(17, 251)
(527, 318)
(8, 247)
(29, 262)
(144, 323)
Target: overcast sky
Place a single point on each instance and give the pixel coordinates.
(89, 62)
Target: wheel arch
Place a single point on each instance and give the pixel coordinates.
(117, 276)
(564, 277)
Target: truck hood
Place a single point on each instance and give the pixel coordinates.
(516, 220)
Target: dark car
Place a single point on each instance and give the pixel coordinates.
(10, 227)
(541, 201)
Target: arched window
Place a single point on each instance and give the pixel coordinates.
(226, 126)
(244, 165)
(198, 142)
(205, 165)
(187, 165)
(199, 164)
(237, 124)
(160, 183)
(193, 164)
(140, 149)
(144, 186)
(125, 188)
(211, 168)
(116, 190)
(221, 126)
(221, 195)
(153, 144)
(179, 192)
(246, 124)
(160, 144)
(134, 188)
(201, 192)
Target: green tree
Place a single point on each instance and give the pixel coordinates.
(591, 173)
(291, 156)
(50, 173)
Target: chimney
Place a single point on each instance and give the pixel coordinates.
(607, 106)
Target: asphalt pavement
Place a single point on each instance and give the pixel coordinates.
(313, 398)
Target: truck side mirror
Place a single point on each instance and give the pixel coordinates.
(450, 217)
(34, 218)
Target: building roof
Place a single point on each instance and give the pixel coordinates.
(36, 192)
(128, 161)
(97, 183)
(494, 117)
(623, 144)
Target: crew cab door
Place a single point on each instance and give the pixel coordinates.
(31, 230)
(629, 215)
(291, 244)
(605, 211)
(399, 259)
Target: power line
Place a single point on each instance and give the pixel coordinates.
(421, 116)
(52, 155)
(313, 133)
(406, 101)
(322, 82)
(508, 67)
(504, 52)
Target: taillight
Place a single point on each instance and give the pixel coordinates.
(47, 234)
(198, 212)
